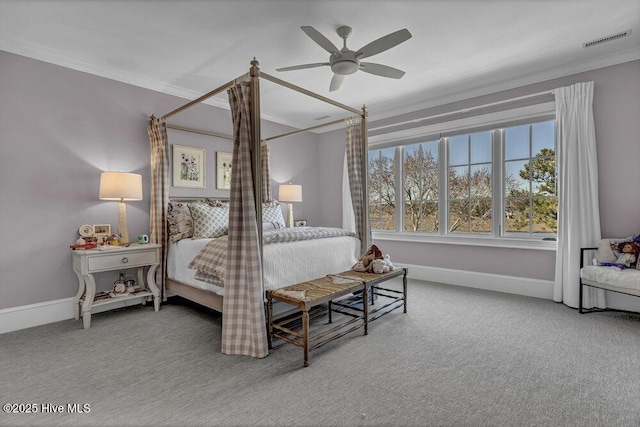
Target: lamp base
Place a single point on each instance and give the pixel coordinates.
(290, 216)
(123, 230)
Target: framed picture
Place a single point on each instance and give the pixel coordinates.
(300, 223)
(101, 231)
(223, 170)
(188, 166)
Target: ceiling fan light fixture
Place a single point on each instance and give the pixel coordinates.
(346, 61)
(345, 67)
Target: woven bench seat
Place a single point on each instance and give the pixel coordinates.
(349, 291)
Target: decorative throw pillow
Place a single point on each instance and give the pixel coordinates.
(179, 221)
(272, 212)
(209, 221)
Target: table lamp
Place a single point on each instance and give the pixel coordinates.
(290, 193)
(123, 187)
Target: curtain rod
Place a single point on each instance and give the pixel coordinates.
(466, 110)
(219, 135)
(295, 132)
(203, 132)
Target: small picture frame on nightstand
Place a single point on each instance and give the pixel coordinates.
(300, 223)
(101, 231)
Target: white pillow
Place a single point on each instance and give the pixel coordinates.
(209, 222)
(272, 212)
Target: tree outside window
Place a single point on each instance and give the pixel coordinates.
(531, 201)
(382, 193)
(420, 187)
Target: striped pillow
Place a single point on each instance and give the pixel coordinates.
(209, 222)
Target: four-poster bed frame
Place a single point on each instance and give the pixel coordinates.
(210, 299)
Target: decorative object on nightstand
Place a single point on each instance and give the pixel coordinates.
(290, 193)
(300, 223)
(123, 187)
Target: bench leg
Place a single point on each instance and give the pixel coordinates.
(365, 308)
(580, 299)
(404, 290)
(305, 336)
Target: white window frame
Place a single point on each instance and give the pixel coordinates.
(507, 118)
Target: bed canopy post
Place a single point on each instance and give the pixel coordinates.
(256, 160)
(366, 239)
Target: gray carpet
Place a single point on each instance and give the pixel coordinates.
(459, 357)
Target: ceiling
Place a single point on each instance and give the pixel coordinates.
(459, 48)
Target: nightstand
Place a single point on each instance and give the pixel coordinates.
(90, 261)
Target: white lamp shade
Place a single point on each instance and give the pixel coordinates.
(290, 193)
(120, 186)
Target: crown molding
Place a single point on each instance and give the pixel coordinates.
(520, 81)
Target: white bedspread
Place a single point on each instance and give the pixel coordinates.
(284, 263)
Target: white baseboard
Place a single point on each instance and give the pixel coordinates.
(28, 316)
(492, 282)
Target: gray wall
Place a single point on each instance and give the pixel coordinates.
(59, 129)
(617, 121)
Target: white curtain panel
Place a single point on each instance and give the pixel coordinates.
(243, 319)
(578, 211)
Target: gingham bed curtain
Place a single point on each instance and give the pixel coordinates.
(157, 131)
(243, 319)
(266, 171)
(355, 154)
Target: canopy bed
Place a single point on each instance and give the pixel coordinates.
(246, 260)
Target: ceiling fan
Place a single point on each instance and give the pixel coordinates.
(345, 61)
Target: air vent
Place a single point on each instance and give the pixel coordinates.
(607, 39)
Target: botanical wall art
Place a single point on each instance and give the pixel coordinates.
(188, 167)
(223, 169)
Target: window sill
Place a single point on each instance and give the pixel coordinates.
(503, 242)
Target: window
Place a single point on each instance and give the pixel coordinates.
(382, 193)
(530, 198)
(469, 178)
(497, 181)
(420, 187)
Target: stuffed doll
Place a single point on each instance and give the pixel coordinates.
(627, 253)
(379, 266)
(364, 264)
(387, 261)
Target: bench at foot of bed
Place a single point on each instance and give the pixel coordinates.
(344, 293)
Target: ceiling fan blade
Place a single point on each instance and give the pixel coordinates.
(384, 43)
(381, 70)
(336, 81)
(303, 66)
(324, 42)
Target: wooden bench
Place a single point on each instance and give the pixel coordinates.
(344, 293)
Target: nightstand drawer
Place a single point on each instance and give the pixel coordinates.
(121, 260)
